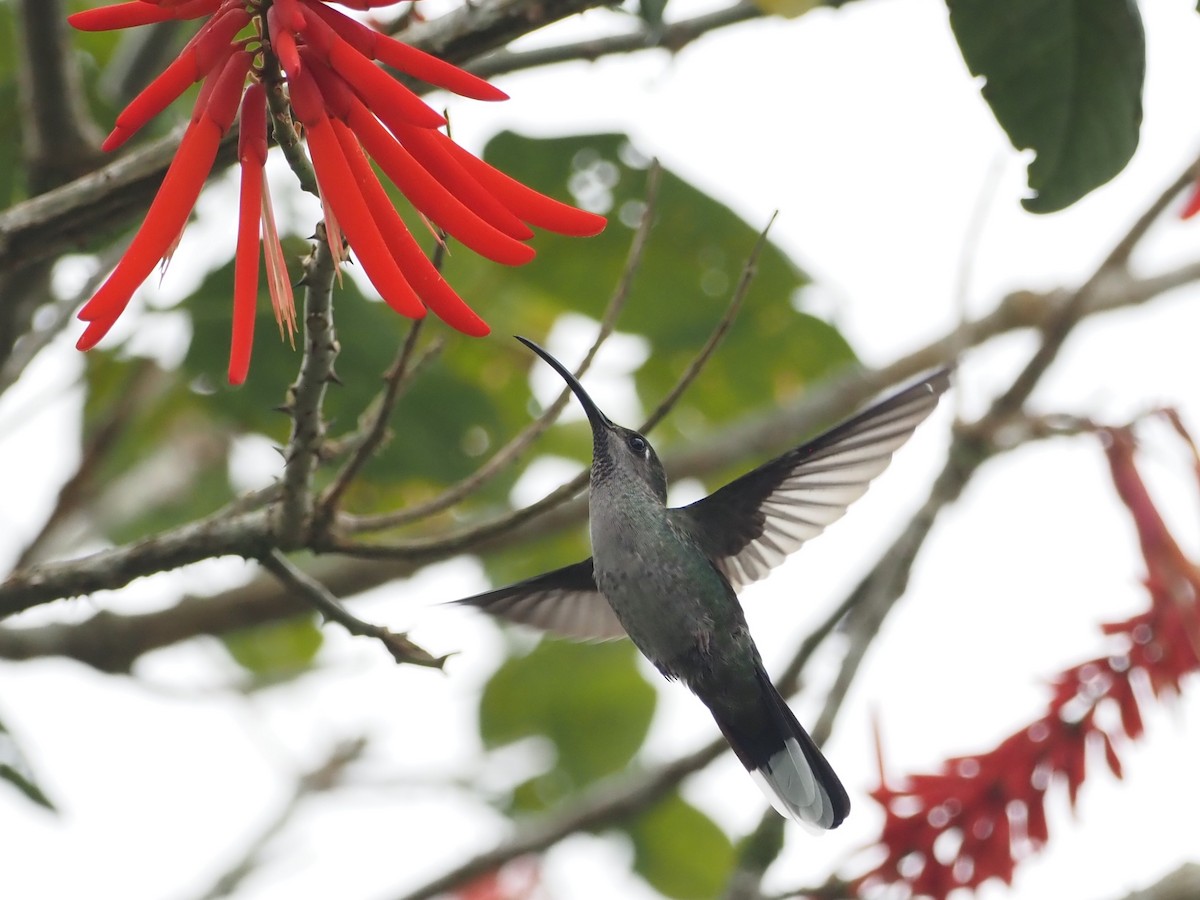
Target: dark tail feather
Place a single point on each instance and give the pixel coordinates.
(783, 759)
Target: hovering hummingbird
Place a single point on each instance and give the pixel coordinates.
(667, 577)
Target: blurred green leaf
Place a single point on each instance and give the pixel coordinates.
(1064, 78)
(680, 851)
(155, 458)
(279, 649)
(15, 769)
(589, 700)
(651, 12)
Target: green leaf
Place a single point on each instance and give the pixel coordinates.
(156, 459)
(1064, 78)
(15, 769)
(680, 851)
(276, 650)
(589, 700)
(651, 12)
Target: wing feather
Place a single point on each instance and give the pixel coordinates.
(565, 602)
(753, 523)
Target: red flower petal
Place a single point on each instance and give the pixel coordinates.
(378, 89)
(283, 39)
(407, 59)
(252, 155)
(340, 190)
(166, 217)
(222, 102)
(420, 272)
(119, 15)
(421, 188)
(431, 153)
(1191, 207)
(203, 52)
(532, 206)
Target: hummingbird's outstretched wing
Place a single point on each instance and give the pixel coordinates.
(749, 526)
(565, 602)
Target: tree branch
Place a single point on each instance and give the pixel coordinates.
(116, 641)
(316, 595)
(672, 37)
(293, 517)
(373, 431)
(244, 535)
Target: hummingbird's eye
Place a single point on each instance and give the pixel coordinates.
(638, 445)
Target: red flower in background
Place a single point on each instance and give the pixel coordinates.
(981, 815)
(352, 113)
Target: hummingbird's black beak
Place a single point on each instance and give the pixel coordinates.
(598, 419)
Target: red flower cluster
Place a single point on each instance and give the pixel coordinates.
(982, 814)
(352, 112)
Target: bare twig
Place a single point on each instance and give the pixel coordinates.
(294, 511)
(672, 37)
(511, 451)
(375, 429)
(749, 270)
(1056, 330)
(318, 596)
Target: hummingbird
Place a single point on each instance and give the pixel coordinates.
(667, 577)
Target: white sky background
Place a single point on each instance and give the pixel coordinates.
(864, 130)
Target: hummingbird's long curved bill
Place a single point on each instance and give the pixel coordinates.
(595, 416)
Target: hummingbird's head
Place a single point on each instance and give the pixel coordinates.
(616, 451)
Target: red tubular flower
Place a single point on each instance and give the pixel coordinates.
(350, 108)
(173, 204)
(994, 802)
(252, 156)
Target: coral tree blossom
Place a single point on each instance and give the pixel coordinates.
(982, 814)
(352, 113)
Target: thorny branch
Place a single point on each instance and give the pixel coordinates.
(374, 432)
(294, 512)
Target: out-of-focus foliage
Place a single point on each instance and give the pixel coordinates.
(276, 650)
(14, 769)
(588, 700)
(681, 851)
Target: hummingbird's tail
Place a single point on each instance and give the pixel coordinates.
(782, 758)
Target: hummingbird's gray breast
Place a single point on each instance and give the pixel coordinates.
(674, 605)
